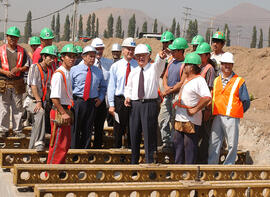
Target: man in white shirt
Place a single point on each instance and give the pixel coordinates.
(218, 42)
(101, 113)
(193, 96)
(141, 95)
(61, 95)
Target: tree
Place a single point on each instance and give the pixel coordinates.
(97, 29)
(218, 29)
(28, 27)
(123, 34)
(66, 36)
(173, 26)
(177, 30)
(110, 26)
(132, 26)
(192, 30)
(137, 32)
(88, 26)
(161, 29)
(53, 24)
(105, 33)
(80, 31)
(118, 31)
(93, 25)
(260, 44)
(227, 34)
(254, 38)
(144, 26)
(155, 26)
(57, 28)
(207, 35)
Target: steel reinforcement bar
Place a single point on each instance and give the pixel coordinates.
(30, 174)
(176, 189)
(9, 157)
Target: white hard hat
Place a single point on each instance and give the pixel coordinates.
(88, 49)
(97, 42)
(116, 47)
(129, 42)
(141, 48)
(227, 58)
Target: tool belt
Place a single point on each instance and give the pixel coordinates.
(17, 84)
(186, 127)
(59, 120)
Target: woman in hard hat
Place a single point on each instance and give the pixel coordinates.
(194, 95)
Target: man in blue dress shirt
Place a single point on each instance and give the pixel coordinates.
(104, 64)
(119, 73)
(89, 89)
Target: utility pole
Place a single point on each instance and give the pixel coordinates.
(187, 14)
(6, 5)
(239, 29)
(211, 29)
(74, 22)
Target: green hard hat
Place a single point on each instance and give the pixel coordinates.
(79, 49)
(178, 44)
(167, 36)
(193, 58)
(50, 50)
(14, 31)
(196, 40)
(69, 48)
(203, 48)
(34, 40)
(46, 33)
(149, 47)
(219, 35)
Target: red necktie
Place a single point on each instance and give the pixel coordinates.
(127, 72)
(87, 85)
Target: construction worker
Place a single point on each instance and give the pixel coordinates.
(61, 114)
(194, 95)
(208, 73)
(34, 44)
(46, 38)
(141, 95)
(119, 74)
(14, 61)
(104, 64)
(89, 89)
(171, 78)
(116, 52)
(196, 40)
(230, 101)
(39, 78)
(79, 55)
(218, 42)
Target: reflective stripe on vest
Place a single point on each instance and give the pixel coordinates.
(226, 100)
(65, 82)
(4, 60)
(207, 67)
(43, 82)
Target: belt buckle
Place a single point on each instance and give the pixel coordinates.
(142, 100)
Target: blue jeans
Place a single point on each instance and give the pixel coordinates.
(228, 127)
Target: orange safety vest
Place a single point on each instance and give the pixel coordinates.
(4, 60)
(65, 82)
(207, 67)
(43, 82)
(226, 100)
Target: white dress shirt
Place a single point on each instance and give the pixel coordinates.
(105, 65)
(151, 75)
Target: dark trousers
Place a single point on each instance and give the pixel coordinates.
(101, 113)
(123, 127)
(186, 146)
(143, 117)
(84, 115)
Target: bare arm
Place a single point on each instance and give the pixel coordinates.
(37, 97)
(201, 104)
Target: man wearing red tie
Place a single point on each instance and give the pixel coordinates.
(119, 74)
(89, 89)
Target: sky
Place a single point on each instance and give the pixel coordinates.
(165, 11)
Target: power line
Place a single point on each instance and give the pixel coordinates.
(187, 14)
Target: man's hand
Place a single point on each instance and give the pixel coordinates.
(167, 91)
(127, 102)
(162, 54)
(97, 102)
(38, 107)
(15, 70)
(9, 74)
(112, 110)
(66, 118)
(192, 111)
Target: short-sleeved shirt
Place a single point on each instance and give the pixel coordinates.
(191, 94)
(174, 73)
(58, 89)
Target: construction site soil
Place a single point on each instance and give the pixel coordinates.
(254, 66)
